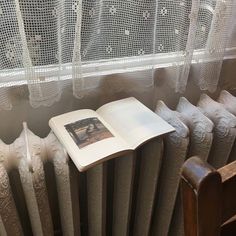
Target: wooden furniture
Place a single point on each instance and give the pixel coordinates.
(209, 198)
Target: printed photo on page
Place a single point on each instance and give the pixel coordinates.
(87, 131)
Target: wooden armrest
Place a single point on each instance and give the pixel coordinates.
(208, 198)
(228, 171)
(228, 174)
(195, 171)
(201, 193)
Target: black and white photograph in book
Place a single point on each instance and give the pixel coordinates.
(87, 131)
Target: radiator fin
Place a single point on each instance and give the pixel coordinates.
(229, 103)
(8, 210)
(123, 189)
(175, 152)
(225, 130)
(59, 158)
(201, 138)
(37, 152)
(96, 190)
(151, 156)
(201, 129)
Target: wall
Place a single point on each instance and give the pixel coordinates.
(111, 88)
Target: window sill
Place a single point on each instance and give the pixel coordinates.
(16, 77)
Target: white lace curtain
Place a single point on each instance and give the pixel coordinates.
(41, 40)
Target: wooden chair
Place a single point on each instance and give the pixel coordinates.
(209, 198)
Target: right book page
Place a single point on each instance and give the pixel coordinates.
(133, 121)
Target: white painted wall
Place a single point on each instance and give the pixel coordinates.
(37, 119)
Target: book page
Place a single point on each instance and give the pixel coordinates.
(133, 121)
(87, 138)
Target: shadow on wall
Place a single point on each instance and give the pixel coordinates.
(110, 88)
(164, 89)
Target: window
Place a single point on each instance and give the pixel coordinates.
(52, 40)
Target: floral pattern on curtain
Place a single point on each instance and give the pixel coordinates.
(44, 37)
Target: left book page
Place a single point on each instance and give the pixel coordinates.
(87, 137)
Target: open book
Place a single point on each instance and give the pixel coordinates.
(91, 137)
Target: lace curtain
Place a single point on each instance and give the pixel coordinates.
(41, 41)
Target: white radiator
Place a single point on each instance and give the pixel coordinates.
(42, 193)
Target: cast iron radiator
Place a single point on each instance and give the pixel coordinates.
(42, 193)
